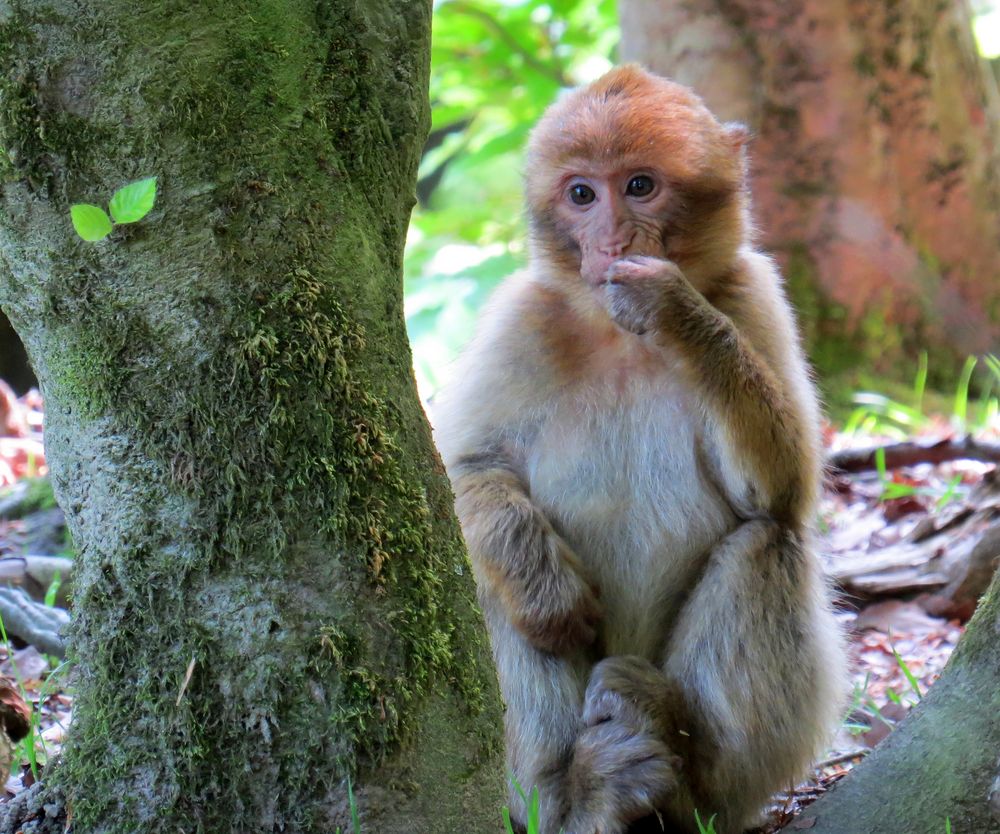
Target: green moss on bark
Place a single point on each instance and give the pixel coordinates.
(233, 426)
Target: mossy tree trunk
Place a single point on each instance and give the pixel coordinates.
(942, 763)
(876, 162)
(272, 589)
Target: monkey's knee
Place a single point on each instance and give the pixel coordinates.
(754, 535)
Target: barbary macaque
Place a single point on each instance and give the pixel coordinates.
(633, 442)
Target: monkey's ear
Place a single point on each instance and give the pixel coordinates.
(737, 134)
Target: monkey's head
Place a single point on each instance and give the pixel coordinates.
(634, 164)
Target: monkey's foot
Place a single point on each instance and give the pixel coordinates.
(628, 690)
(618, 775)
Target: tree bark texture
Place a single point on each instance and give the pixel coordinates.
(875, 164)
(272, 591)
(942, 763)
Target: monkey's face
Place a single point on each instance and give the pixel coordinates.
(634, 165)
(613, 211)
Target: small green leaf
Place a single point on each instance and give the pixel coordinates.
(132, 202)
(90, 222)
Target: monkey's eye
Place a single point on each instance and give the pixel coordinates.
(582, 194)
(640, 186)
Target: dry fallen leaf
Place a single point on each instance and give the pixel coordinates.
(15, 714)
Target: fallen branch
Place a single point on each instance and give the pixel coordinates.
(36, 575)
(33, 622)
(948, 557)
(911, 453)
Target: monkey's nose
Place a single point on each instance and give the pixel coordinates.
(616, 246)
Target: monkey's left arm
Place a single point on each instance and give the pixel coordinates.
(754, 667)
(760, 417)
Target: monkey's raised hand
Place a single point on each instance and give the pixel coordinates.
(636, 291)
(550, 601)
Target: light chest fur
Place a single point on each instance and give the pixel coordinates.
(616, 468)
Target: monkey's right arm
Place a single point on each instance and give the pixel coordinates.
(520, 559)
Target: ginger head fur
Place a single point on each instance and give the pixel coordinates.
(630, 123)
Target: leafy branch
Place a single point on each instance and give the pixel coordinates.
(549, 71)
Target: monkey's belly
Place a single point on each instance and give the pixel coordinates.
(623, 486)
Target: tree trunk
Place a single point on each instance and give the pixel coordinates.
(943, 762)
(272, 591)
(875, 164)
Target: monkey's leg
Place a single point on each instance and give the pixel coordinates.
(623, 769)
(760, 657)
(751, 680)
(543, 694)
(594, 782)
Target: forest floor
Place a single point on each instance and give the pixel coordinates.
(906, 548)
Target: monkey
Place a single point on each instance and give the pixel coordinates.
(632, 440)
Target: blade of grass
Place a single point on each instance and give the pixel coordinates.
(910, 677)
(920, 382)
(534, 823)
(993, 364)
(949, 493)
(887, 407)
(53, 589)
(856, 420)
(961, 407)
(355, 819)
(704, 828)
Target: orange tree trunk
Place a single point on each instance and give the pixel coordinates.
(875, 163)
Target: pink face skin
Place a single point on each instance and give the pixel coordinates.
(613, 214)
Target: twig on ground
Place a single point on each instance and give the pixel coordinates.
(843, 758)
(912, 453)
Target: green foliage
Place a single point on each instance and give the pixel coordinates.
(877, 413)
(134, 201)
(704, 828)
(129, 204)
(496, 65)
(90, 222)
(900, 489)
(53, 590)
(861, 702)
(352, 803)
(534, 822)
(911, 679)
(33, 743)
